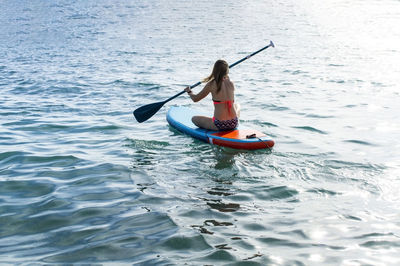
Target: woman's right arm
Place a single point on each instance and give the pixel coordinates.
(202, 94)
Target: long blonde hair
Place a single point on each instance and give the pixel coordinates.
(220, 70)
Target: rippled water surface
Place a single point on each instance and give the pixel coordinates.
(82, 182)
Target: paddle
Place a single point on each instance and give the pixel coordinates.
(145, 112)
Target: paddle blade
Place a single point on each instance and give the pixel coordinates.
(145, 112)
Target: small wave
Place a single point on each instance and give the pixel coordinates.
(30, 88)
(352, 217)
(359, 142)
(119, 53)
(272, 241)
(254, 227)
(6, 156)
(25, 158)
(377, 244)
(336, 65)
(26, 82)
(219, 256)
(279, 108)
(339, 81)
(339, 164)
(145, 144)
(312, 129)
(182, 243)
(41, 128)
(82, 16)
(25, 189)
(14, 113)
(371, 235)
(295, 72)
(262, 123)
(101, 128)
(112, 239)
(323, 191)
(319, 116)
(130, 84)
(276, 193)
(46, 128)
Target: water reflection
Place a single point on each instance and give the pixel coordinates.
(219, 192)
(223, 207)
(225, 158)
(216, 202)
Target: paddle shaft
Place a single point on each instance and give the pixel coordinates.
(145, 112)
(232, 65)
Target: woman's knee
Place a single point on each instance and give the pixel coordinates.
(195, 120)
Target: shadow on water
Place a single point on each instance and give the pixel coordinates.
(225, 158)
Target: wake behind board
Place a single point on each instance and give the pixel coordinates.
(180, 117)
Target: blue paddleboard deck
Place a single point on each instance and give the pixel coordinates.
(180, 117)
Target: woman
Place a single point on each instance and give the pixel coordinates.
(226, 113)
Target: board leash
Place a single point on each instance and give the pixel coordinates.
(254, 135)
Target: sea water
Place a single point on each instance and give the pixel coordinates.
(82, 182)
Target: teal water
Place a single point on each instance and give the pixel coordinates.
(82, 182)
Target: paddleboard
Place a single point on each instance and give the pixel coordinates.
(180, 117)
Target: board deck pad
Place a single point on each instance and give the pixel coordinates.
(180, 117)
